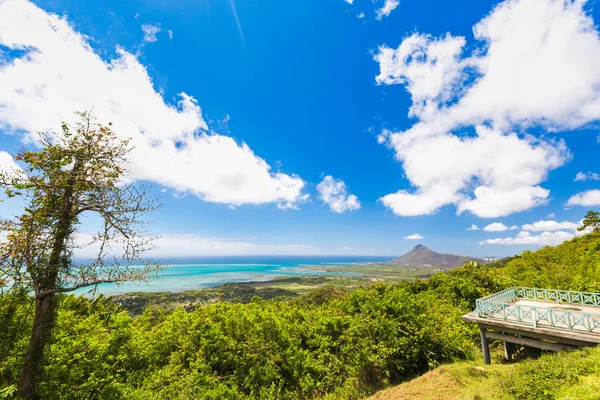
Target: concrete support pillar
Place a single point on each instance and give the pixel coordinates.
(485, 346)
(508, 350)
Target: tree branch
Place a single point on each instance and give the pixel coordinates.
(72, 288)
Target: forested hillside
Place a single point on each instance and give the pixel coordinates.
(574, 265)
(332, 343)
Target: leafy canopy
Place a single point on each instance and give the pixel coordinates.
(591, 221)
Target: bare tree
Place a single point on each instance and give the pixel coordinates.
(79, 170)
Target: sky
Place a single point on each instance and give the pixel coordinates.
(325, 127)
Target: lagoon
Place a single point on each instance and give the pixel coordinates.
(181, 274)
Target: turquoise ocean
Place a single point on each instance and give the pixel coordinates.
(181, 274)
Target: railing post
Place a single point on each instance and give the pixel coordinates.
(589, 324)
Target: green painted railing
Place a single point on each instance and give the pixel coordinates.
(566, 317)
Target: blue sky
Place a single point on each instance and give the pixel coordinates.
(323, 126)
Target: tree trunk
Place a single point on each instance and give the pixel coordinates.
(34, 360)
(44, 312)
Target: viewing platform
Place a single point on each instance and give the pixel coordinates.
(548, 319)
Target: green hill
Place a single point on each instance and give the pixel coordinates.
(573, 265)
(421, 256)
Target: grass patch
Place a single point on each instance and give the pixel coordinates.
(560, 376)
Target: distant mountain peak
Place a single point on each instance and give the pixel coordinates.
(421, 256)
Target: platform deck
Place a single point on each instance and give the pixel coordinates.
(554, 320)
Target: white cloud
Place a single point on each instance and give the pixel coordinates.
(526, 238)
(387, 8)
(552, 233)
(173, 146)
(361, 15)
(535, 66)
(550, 226)
(334, 193)
(498, 227)
(504, 168)
(150, 32)
(349, 1)
(291, 205)
(492, 202)
(473, 228)
(8, 164)
(427, 66)
(583, 176)
(551, 215)
(170, 33)
(414, 236)
(587, 198)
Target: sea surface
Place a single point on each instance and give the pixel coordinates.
(181, 274)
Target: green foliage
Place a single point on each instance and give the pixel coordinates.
(547, 377)
(16, 318)
(574, 265)
(330, 343)
(8, 392)
(466, 284)
(337, 343)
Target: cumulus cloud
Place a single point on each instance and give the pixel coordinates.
(587, 198)
(585, 176)
(552, 233)
(550, 226)
(473, 228)
(498, 227)
(60, 73)
(334, 193)
(387, 8)
(526, 238)
(535, 65)
(414, 236)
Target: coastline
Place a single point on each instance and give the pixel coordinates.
(284, 287)
(241, 292)
(177, 278)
